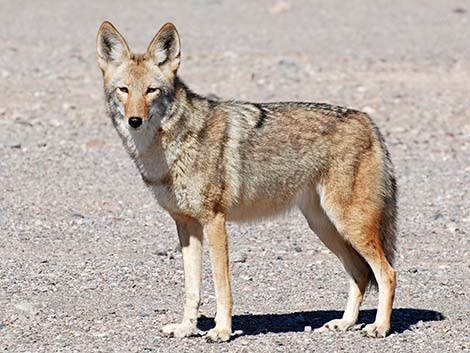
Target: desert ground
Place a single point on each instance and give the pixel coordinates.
(90, 263)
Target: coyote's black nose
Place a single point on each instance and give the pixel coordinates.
(135, 121)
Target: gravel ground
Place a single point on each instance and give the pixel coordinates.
(88, 262)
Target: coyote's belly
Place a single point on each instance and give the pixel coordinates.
(267, 194)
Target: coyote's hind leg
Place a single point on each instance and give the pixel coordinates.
(353, 263)
(354, 201)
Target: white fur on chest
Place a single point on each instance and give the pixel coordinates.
(165, 169)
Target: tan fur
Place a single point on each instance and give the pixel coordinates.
(209, 161)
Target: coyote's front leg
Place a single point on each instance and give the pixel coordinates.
(216, 234)
(190, 236)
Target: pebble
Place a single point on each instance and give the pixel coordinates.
(279, 7)
(288, 63)
(459, 10)
(240, 258)
(361, 89)
(87, 221)
(368, 110)
(26, 308)
(95, 143)
(54, 122)
(67, 106)
(39, 105)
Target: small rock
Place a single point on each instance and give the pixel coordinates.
(162, 253)
(240, 258)
(279, 7)
(92, 286)
(39, 105)
(368, 110)
(237, 333)
(288, 63)
(54, 122)
(413, 270)
(438, 215)
(361, 89)
(397, 129)
(18, 116)
(452, 228)
(243, 342)
(95, 143)
(213, 97)
(459, 10)
(87, 221)
(308, 329)
(160, 311)
(26, 308)
(67, 106)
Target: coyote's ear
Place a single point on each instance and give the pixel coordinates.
(165, 49)
(111, 46)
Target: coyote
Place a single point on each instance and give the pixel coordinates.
(209, 161)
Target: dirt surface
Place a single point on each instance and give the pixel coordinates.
(89, 262)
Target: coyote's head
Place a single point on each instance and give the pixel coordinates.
(138, 88)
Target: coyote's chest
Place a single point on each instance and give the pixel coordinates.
(166, 171)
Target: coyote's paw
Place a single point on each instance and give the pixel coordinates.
(338, 325)
(218, 335)
(179, 330)
(375, 330)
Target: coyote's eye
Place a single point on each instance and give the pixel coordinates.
(123, 89)
(151, 90)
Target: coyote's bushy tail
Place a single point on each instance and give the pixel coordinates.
(388, 221)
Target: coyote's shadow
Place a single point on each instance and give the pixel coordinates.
(402, 319)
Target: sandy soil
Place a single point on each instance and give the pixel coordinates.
(88, 262)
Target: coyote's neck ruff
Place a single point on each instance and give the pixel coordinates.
(208, 161)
